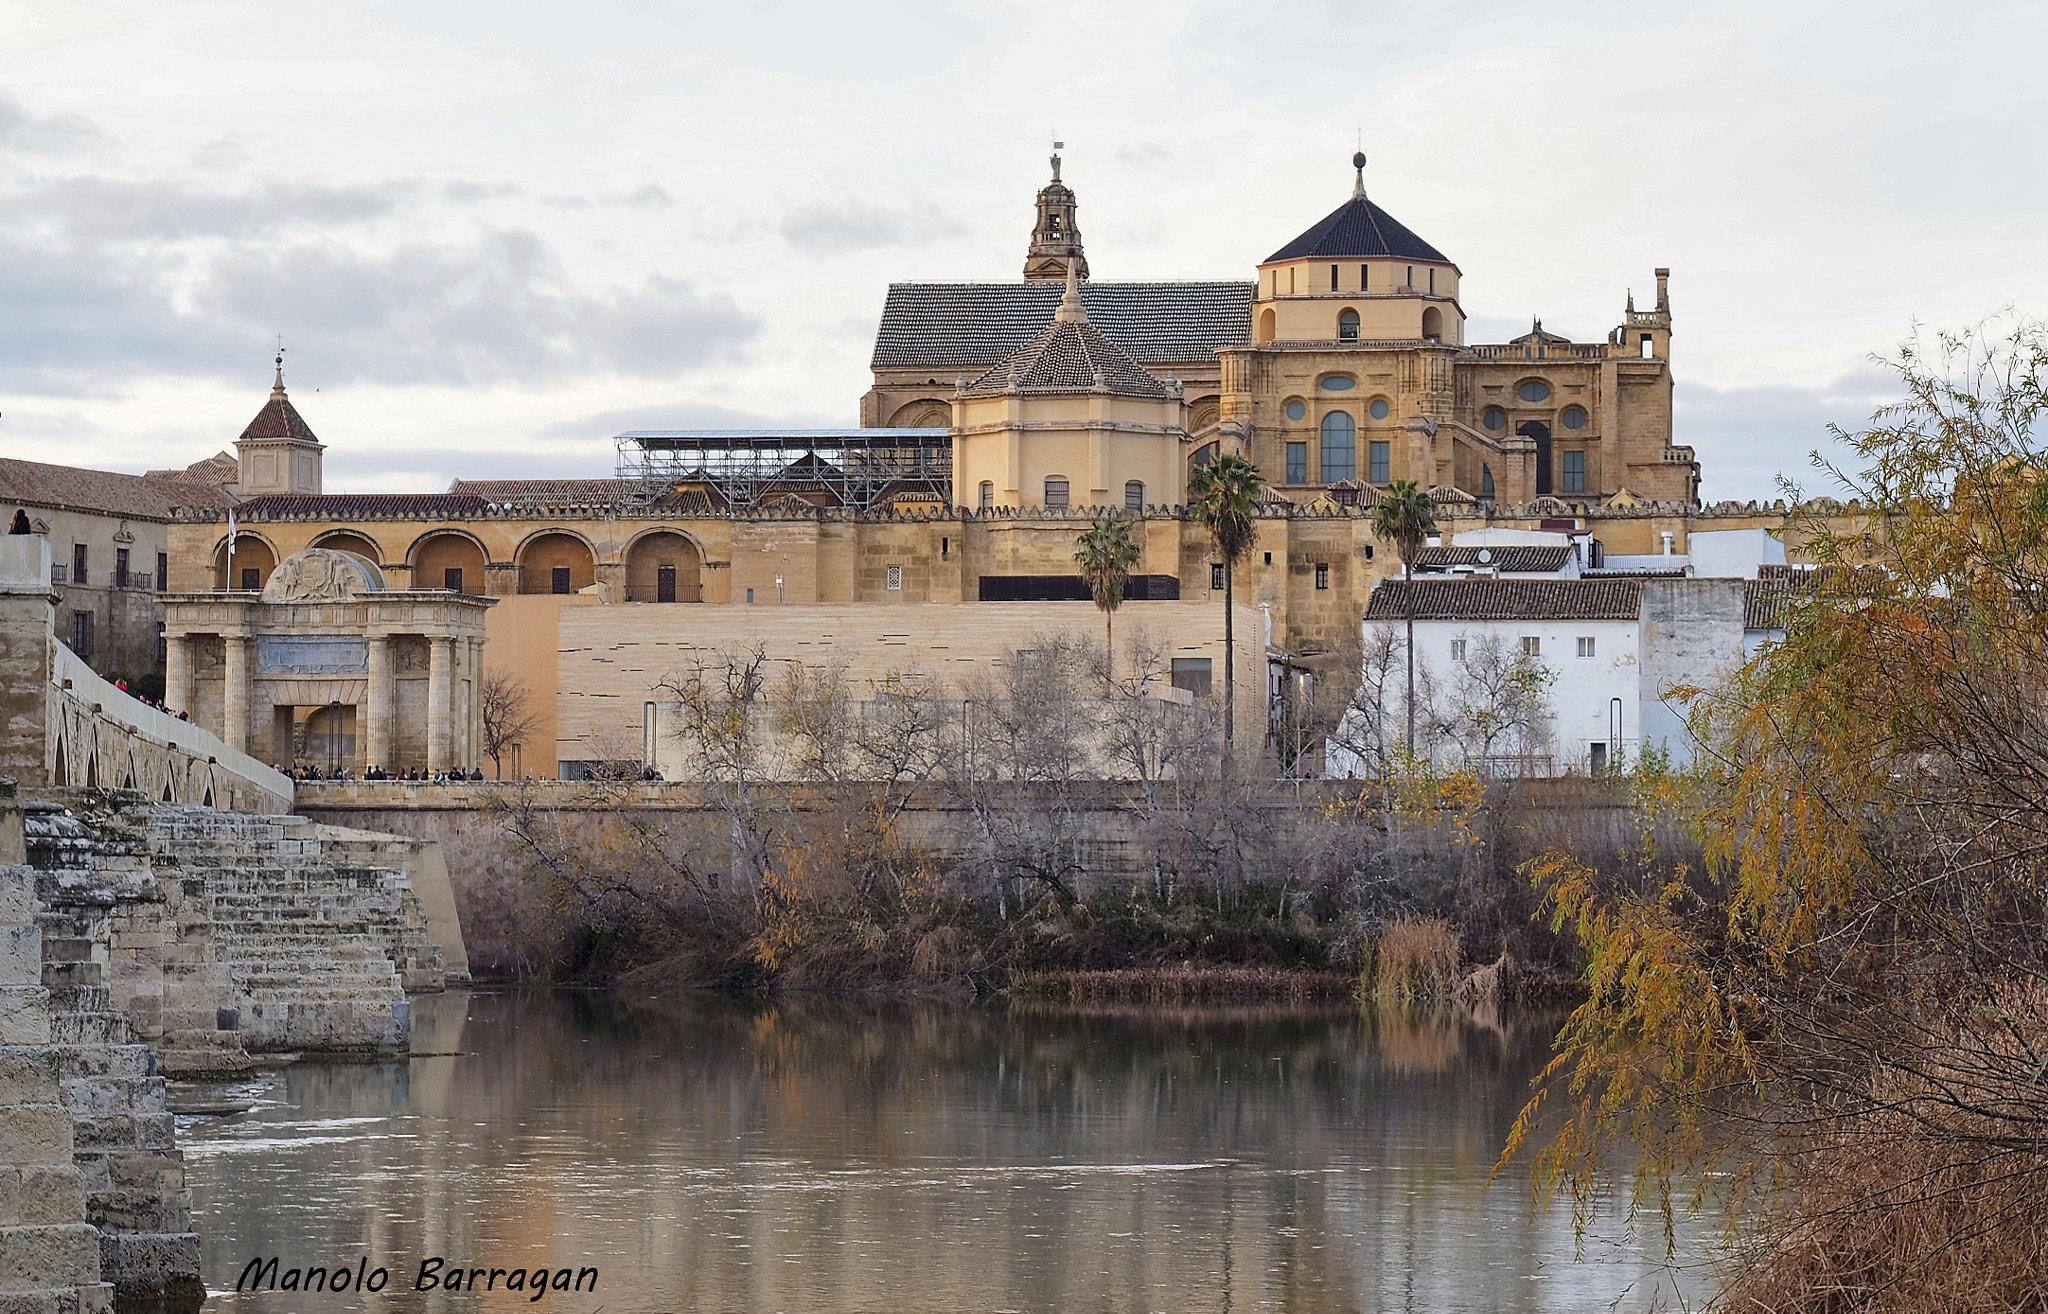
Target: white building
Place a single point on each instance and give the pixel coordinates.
(1612, 648)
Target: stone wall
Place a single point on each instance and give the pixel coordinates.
(49, 1250)
(222, 935)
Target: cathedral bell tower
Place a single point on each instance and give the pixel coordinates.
(1057, 237)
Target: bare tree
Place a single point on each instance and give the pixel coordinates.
(508, 714)
(1501, 706)
(1156, 740)
(724, 731)
(1018, 753)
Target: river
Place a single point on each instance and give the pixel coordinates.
(834, 1156)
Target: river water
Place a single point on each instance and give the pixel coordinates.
(831, 1156)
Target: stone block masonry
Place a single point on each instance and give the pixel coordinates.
(49, 1250)
(223, 935)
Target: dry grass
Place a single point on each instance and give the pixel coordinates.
(1930, 1192)
(1417, 961)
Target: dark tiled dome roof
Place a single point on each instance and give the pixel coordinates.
(1071, 356)
(1356, 229)
(279, 419)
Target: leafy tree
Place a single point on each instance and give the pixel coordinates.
(1844, 1006)
(1225, 496)
(1105, 556)
(1406, 518)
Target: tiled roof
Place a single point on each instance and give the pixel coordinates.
(220, 468)
(278, 419)
(551, 492)
(1763, 604)
(361, 506)
(1507, 599)
(951, 327)
(1071, 356)
(1520, 560)
(102, 492)
(1356, 229)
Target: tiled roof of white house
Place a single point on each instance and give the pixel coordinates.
(1507, 599)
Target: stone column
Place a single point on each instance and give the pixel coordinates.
(475, 755)
(440, 701)
(235, 696)
(178, 673)
(382, 703)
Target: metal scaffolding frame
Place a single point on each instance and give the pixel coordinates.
(858, 468)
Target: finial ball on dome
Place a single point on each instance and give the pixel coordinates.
(1358, 160)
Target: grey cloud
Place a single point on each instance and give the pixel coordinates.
(604, 425)
(89, 209)
(493, 311)
(470, 193)
(1747, 438)
(855, 226)
(57, 134)
(651, 197)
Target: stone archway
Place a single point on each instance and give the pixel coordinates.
(556, 562)
(924, 413)
(353, 543)
(451, 561)
(251, 554)
(1540, 433)
(664, 566)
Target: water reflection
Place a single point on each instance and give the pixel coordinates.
(820, 1156)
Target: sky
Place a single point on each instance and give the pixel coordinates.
(493, 235)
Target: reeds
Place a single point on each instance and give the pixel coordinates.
(1416, 961)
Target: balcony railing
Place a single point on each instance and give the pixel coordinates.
(140, 580)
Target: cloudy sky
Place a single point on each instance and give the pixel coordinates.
(492, 235)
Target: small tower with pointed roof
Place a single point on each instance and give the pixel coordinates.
(1068, 419)
(1056, 238)
(278, 453)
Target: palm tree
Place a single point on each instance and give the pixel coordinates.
(1104, 557)
(1406, 517)
(1225, 496)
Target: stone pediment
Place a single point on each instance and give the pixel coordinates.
(322, 575)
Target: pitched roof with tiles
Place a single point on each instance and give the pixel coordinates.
(1519, 560)
(949, 327)
(548, 492)
(279, 418)
(1358, 229)
(103, 492)
(361, 506)
(1068, 356)
(1507, 599)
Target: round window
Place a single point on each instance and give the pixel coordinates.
(1495, 418)
(1378, 408)
(1339, 383)
(1296, 409)
(1574, 417)
(1534, 390)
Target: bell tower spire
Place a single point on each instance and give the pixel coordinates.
(1056, 237)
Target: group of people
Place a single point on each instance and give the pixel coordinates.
(313, 772)
(158, 703)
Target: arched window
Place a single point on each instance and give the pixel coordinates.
(1340, 447)
(988, 494)
(1485, 480)
(1347, 324)
(1055, 491)
(1134, 495)
(1433, 320)
(19, 525)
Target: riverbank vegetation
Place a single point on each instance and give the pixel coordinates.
(1838, 1015)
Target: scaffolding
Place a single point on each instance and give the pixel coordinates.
(858, 468)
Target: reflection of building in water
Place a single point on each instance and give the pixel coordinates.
(328, 667)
